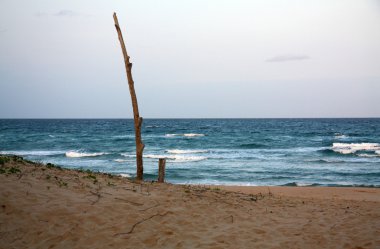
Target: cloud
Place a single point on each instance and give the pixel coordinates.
(66, 13)
(61, 13)
(41, 14)
(285, 58)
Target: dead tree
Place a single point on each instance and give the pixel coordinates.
(161, 169)
(137, 119)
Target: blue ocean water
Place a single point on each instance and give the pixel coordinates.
(332, 152)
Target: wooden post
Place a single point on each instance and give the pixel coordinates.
(161, 169)
(137, 119)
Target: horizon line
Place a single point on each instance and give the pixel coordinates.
(55, 118)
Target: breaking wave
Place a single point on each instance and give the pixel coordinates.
(340, 136)
(186, 151)
(185, 135)
(153, 126)
(32, 152)
(82, 154)
(352, 148)
(172, 158)
(301, 184)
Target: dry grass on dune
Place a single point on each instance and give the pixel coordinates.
(43, 206)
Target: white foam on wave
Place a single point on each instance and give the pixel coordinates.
(175, 151)
(367, 155)
(171, 135)
(33, 152)
(193, 135)
(340, 136)
(185, 135)
(351, 148)
(123, 136)
(83, 154)
(172, 158)
(120, 160)
(178, 158)
(125, 175)
(303, 184)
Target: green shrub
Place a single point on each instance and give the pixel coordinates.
(14, 170)
(4, 160)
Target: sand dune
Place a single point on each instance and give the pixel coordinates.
(48, 207)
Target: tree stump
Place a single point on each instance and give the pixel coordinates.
(161, 169)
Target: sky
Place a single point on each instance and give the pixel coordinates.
(191, 59)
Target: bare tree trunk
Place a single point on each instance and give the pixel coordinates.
(137, 119)
(161, 169)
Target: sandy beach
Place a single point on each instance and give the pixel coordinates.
(44, 206)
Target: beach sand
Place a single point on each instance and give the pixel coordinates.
(48, 207)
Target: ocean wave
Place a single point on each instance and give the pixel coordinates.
(172, 158)
(340, 136)
(83, 154)
(120, 160)
(352, 148)
(185, 135)
(301, 184)
(338, 184)
(178, 158)
(368, 155)
(355, 185)
(325, 161)
(122, 137)
(327, 151)
(125, 175)
(175, 151)
(33, 152)
(171, 135)
(252, 146)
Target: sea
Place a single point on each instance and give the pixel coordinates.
(252, 152)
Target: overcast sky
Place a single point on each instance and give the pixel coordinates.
(192, 59)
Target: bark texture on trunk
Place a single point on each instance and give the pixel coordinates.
(161, 169)
(137, 119)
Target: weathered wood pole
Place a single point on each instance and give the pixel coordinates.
(161, 169)
(137, 119)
